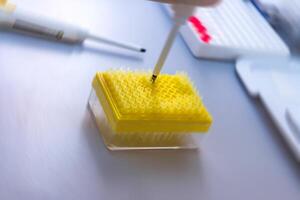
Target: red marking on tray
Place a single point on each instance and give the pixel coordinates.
(201, 29)
(206, 38)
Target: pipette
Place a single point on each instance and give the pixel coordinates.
(182, 10)
(35, 25)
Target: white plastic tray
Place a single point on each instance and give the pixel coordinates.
(235, 29)
(277, 83)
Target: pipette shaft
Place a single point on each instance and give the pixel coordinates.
(23, 22)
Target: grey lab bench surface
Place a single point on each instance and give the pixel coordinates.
(50, 147)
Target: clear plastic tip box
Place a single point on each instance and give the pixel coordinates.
(131, 112)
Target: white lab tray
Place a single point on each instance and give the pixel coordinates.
(236, 29)
(277, 83)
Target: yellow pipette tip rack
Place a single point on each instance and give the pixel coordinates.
(134, 113)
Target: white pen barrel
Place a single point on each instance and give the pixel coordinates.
(181, 13)
(166, 49)
(41, 26)
(115, 43)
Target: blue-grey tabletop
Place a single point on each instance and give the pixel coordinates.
(50, 147)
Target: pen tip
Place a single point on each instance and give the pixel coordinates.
(153, 78)
(143, 50)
